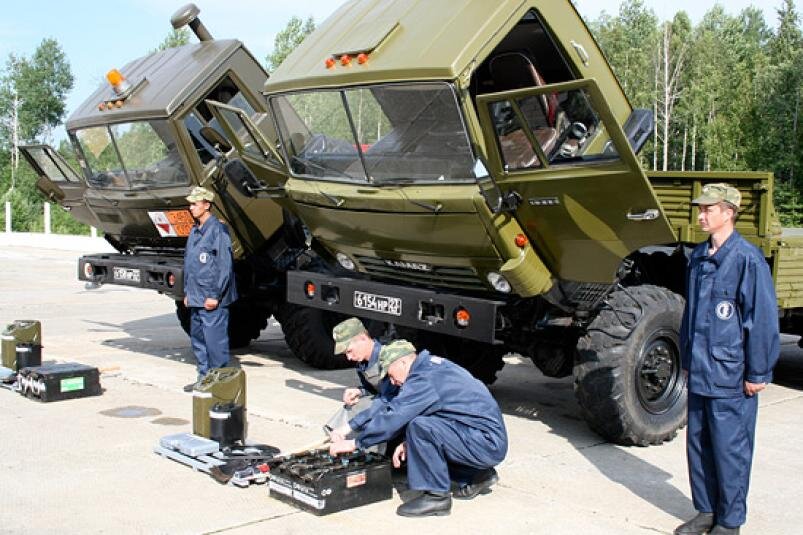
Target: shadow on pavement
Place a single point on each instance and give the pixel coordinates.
(552, 402)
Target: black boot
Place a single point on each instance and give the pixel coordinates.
(481, 485)
(700, 524)
(428, 504)
(722, 530)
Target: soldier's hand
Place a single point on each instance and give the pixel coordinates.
(186, 301)
(340, 433)
(351, 396)
(752, 389)
(342, 446)
(210, 304)
(399, 455)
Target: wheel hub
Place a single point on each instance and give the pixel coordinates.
(657, 373)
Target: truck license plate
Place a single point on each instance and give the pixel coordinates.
(126, 274)
(378, 303)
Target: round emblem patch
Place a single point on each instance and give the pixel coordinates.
(724, 310)
(203, 257)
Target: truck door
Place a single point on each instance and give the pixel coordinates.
(259, 154)
(585, 202)
(58, 182)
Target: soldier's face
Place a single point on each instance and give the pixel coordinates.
(360, 348)
(198, 208)
(713, 217)
(399, 370)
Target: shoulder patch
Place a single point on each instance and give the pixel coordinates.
(436, 360)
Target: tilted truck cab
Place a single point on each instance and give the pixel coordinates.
(473, 168)
(140, 147)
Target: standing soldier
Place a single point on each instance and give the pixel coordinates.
(209, 286)
(730, 343)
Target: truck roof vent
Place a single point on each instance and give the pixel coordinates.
(188, 14)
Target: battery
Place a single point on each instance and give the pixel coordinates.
(321, 484)
(56, 382)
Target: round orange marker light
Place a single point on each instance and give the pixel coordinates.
(101, 106)
(521, 240)
(345, 59)
(330, 62)
(309, 289)
(109, 105)
(118, 103)
(171, 280)
(462, 317)
(362, 58)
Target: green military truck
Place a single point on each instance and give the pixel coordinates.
(473, 166)
(140, 147)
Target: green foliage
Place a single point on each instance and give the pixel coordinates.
(288, 39)
(737, 103)
(174, 39)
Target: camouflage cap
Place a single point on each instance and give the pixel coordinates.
(717, 193)
(344, 332)
(393, 352)
(200, 194)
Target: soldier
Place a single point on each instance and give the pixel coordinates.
(352, 339)
(450, 423)
(730, 343)
(209, 286)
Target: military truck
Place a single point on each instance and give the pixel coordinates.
(140, 147)
(474, 166)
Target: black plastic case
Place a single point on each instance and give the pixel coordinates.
(56, 382)
(321, 484)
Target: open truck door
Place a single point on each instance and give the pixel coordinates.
(583, 198)
(247, 136)
(59, 182)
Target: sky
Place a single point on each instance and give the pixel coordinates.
(97, 36)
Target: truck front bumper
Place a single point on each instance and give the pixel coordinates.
(161, 273)
(465, 317)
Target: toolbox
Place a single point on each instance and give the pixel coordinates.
(321, 484)
(56, 382)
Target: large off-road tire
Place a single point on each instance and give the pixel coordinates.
(308, 333)
(245, 322)
(482, 360)
(627, 378)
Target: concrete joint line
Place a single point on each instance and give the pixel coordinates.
(252, 523)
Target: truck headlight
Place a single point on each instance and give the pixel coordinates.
(499, 283)
(345, 261)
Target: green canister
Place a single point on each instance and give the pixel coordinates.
(19, 332)
(220, 385)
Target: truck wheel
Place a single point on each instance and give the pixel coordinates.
(627, 378)
(482, 360)
(308, 333)
(245, 323)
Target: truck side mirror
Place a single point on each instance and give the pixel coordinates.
(480, 174)
(215, 138)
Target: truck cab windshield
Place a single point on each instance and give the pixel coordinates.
(385, 133)
(134, 155)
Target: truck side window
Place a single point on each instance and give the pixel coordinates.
(225, 92)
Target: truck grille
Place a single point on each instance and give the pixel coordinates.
(441, 276)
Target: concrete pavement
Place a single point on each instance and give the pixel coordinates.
(69, 468)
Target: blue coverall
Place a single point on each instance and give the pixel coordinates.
(209, 273)
(729, 335)
(449, 418)
(383, 390)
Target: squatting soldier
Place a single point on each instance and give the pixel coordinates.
(730, 343)
(450, 422)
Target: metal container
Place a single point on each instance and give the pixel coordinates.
(28, 356)
(227, 423)
(18, 332)
(221, 385)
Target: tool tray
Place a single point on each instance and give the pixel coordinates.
(321, 484)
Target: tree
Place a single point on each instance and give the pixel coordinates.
(174, 39)
(288, 39)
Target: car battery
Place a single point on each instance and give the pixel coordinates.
(16, 333)
(220, 385)
(56, 382)
(321, 484)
